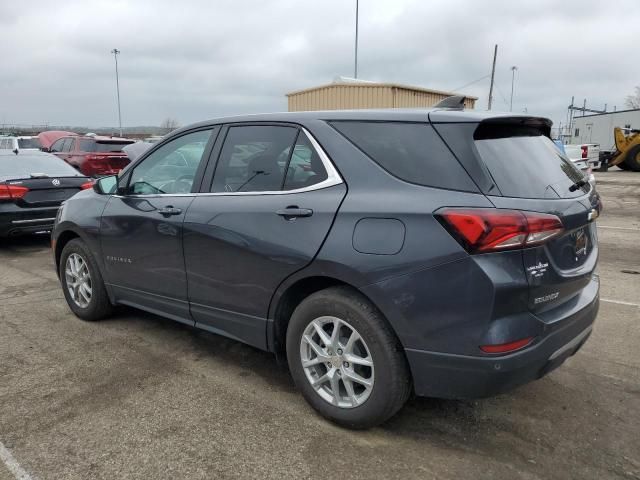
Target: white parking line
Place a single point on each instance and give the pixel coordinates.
(620, 302)
(620, 228)
(13, 465)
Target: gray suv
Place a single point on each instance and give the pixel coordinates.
(439, 252)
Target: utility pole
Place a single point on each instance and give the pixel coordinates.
(493, 74)
(115, 52)
(355, 68)
(513, 76)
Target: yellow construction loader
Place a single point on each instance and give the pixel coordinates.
(627, 154)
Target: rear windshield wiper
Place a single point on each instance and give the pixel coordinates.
(577, 185)
(38, 175)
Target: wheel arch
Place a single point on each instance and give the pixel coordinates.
(61, 240)
(292, 293)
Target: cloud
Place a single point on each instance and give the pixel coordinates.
(199, 59)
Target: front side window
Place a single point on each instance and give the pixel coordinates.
(172, 168)
(68, 145)
(57, 145)
(254, 158)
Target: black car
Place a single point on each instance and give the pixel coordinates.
(33, 184)
(442, 252)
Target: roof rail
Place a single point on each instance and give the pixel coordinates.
(454, 102)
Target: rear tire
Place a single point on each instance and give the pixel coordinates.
(632, 162)
(82, 282)
(362, 360)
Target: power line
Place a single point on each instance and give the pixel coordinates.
(471, 83)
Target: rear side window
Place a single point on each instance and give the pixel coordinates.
(412, 152)
(305, 166)
(524, 163)
(254, 159)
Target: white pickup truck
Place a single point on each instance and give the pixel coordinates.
(585, 156)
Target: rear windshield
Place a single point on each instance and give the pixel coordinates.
(101, 147)
(25, 165)
(29, 143)
(524, 163)
(410, 151)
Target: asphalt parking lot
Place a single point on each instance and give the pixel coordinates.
(138, 396)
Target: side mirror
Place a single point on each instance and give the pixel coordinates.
(106, 185)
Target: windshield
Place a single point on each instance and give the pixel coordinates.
(29, 143)
(23, 166)
(524, 163)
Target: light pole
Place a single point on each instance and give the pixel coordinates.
(115, 52)
(355, 68)
(513, 76)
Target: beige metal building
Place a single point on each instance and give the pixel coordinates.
(361, 94)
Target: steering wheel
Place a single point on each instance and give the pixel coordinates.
(182, 184)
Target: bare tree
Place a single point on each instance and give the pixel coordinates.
(169, 124)
(633, 101)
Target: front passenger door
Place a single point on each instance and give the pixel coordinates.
(141, 230)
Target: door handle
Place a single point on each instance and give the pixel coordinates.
(169, 210)
(293, 212)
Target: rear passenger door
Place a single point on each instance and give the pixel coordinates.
(268, 206)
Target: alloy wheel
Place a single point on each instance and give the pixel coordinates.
(337, 362)
(78, 280)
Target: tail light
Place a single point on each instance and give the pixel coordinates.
(585, 151)
(87, 185)
(481, 230)
(12, 192)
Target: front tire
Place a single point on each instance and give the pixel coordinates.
(346, 360)
(82, 282)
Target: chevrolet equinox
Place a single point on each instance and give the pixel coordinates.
(441, 252)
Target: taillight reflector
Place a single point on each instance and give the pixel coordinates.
(12, 192)
(482, 230)
(585, 151)
(507, 347)
(87, 185)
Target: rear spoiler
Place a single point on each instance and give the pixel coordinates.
(500, 127)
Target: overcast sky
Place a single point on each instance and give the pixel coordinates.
(194, 60)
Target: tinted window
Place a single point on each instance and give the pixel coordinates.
(5, 143)
(305, 166)
(91, 145)
(171, 168)
(29, 143)
(410, 151)
(254, 159)
(524, 163)
(57, 145)
(40, 163)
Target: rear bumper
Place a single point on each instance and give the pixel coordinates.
(464, 377)
(24, 221)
